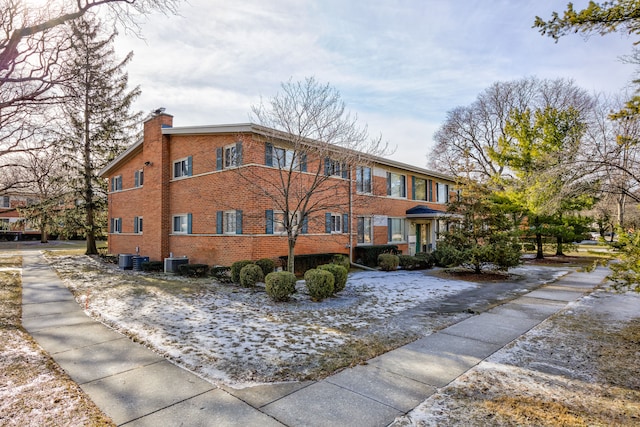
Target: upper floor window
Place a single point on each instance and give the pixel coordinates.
(183, 167)
(116, 183)
(138, 178)
(5, 202)
(229, 156)
(442, 193)
(335, 168)
(363, 179)
(420, 189)
(396, 185)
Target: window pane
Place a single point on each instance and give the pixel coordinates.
(364, 230)
(230, 222)
(397, 185)
(421, 189)
(397, 230)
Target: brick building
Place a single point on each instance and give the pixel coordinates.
(12, 225)
(186, 191)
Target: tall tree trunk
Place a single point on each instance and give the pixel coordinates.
(559, 246)
(290, 258)
(622, 200)
(540, 254)
(90, 231)
(44, 238)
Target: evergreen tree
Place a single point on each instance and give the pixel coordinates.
(100, 123)
(483, 232)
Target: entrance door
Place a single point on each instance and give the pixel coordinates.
(419, 228)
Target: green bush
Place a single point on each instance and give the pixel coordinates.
(280, 285)
(408, 262)
(250, 275)
(339, 276)
(388, 262)
(319, 283)
(342, 260)
(235, 269)
(193, 270)
(152, 266)
(266, 264)
(221, 273)
(368, 255)
(425, 260)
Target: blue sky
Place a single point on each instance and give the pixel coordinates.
(399, 65)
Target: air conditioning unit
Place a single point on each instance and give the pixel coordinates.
(171, 264)
(125, 261)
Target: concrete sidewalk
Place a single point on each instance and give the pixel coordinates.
(136, 387)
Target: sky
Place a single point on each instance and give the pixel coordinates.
(400, 65)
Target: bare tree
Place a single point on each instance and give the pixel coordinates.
(33, 40)
(319, 145)
(469, 133)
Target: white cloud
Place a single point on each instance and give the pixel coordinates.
(401, 66)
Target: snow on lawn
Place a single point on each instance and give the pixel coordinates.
(233, 335)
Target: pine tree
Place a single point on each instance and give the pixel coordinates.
(100, 123)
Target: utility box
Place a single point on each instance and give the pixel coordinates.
(137, 262)
(171, 264)
(125, 261)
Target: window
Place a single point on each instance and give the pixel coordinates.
(336, 223)
(182, 167)
(5, 202)
(229, 222)
(4, 224)
(116, 225)
(229, 156)
(138, 178)
(419, 189)
(363, 179)
(365, 236)
(116, 183)
(442, 193)
(396, 185)
(279, 225)
(283, 158)
(396, 229)
(182, 224)
(335, 168)
(137, 224)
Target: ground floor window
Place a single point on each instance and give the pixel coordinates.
(365, 230)
(182, 224)
(396, 230)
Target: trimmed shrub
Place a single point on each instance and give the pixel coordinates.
(152, 266)
(193, 270)
(425, 259)
(368, 255)
(339, 275)
(408, 262)
(250, 275)
(319, 283)
(342, 260)
(266, 264)
(309, 261)
(235, 269)
(280, 285)
(388, 262)
(221, 273)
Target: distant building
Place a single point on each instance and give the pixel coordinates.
(12, 225)
(176, 191)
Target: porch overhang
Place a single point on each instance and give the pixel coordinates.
(423, 212)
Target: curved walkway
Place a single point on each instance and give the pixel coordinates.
(136, 387)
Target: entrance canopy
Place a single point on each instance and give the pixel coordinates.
(425, 213)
